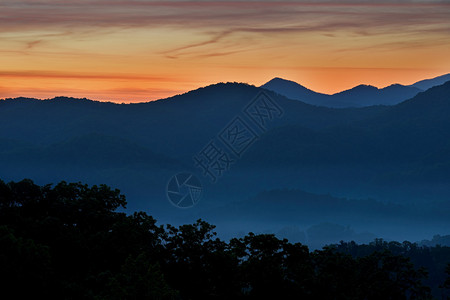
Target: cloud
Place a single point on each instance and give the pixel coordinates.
(219, 22)
(73, 75)
(173, 53)
(216, 14)
(172, 42)
(32, 44)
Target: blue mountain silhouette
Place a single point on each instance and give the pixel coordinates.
(359, 96)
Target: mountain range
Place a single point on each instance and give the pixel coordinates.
(395, 159)
(359, 96)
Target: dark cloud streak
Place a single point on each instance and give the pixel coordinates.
(213, 14)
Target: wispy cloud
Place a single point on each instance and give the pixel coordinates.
(223, 18)
(56, 74)
(204, 14)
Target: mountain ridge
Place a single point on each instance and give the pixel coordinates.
(359, 96)
(384, 152)
(292, 90)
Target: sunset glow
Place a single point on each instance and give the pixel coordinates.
(130, 51)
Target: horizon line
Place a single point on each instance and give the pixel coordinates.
(208, 85)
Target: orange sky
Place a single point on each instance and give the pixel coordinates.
(140, 50)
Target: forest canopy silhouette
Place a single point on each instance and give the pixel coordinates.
(72, 239)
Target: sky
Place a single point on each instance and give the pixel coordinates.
(140, 50)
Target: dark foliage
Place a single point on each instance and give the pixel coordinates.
(69, 242)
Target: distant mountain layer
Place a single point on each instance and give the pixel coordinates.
(429, 83)
(180, 126)
(140, 146)
(359, 96)
(405, 144)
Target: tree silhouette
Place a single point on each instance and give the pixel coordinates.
(69, 241)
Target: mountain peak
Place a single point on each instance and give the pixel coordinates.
(395, 85)
(279, 79)
(290, 89)
(359, 90)
(365, 87)
(282, 82)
